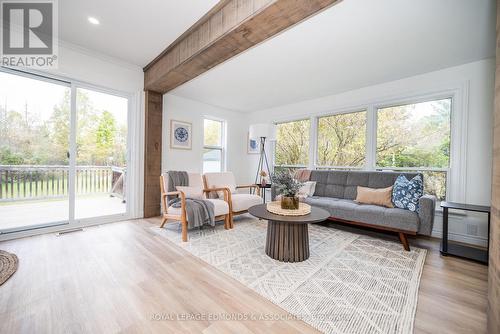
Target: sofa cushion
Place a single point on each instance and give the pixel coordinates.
(387, 217)
(329, 184)
(355, 180)
(369, 214)
(336, 207)
(343, 184)
(384, 179)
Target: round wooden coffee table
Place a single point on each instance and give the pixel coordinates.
(288, 236)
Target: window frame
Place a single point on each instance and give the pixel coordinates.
(221, 148)
(458, 92)
(276, 123)
(447, 170)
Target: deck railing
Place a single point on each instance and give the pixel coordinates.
(27, 182)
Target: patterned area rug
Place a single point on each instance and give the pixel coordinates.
(350, 284)
(8, 265)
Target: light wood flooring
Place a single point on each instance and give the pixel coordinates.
(122, 277)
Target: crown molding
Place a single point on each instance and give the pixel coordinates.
(99, 55)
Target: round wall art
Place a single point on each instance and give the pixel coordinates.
(181, 134)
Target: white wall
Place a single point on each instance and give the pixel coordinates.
(182, 109)
(94, 68)
(474, 80)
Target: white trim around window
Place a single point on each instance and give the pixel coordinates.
(223, 145)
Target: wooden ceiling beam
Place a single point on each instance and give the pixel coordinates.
(229, 28)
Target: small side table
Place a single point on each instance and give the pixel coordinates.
(463, 251)
(263, 190)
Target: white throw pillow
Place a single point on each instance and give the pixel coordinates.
(307, 189)
(191, 192)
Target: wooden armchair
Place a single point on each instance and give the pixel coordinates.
(238, 202)
(221, 206)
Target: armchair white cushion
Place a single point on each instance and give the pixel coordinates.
(195, 180)
(195, 190)
(191, 192)
(221, 180)
(195, 184)
(242, 202)
(220, 208)
(239, 202)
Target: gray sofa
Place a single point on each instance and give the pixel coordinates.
(336, 191)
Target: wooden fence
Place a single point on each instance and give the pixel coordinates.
(26, 182)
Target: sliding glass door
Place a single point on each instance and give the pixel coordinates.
(63, 153)
(101, 157)
(34, 152)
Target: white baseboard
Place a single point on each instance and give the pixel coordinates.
(468, 239)
(457, 228)
(63, 227)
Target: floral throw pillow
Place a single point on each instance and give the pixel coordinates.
(406, 193)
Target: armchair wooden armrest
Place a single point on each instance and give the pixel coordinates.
(227, 192)
(166, 215)
(173, 193)
(250, 186)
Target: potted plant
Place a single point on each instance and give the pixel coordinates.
(263, 180)
(288, 187)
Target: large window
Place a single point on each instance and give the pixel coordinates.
(292, 145)
(342, 140)
(213, 146)
(412, 137)
(416, 137)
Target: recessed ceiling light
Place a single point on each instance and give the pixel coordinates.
(93, 20)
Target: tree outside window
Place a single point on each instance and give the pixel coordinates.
(417, 137)
(292, 144)
(342, 140)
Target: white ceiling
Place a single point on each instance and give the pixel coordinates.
(354, 44)
(135, 31)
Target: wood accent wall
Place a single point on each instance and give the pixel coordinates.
(228, 29)
(494, 261)
(152, 153)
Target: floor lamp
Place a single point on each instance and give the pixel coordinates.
(263, 132)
